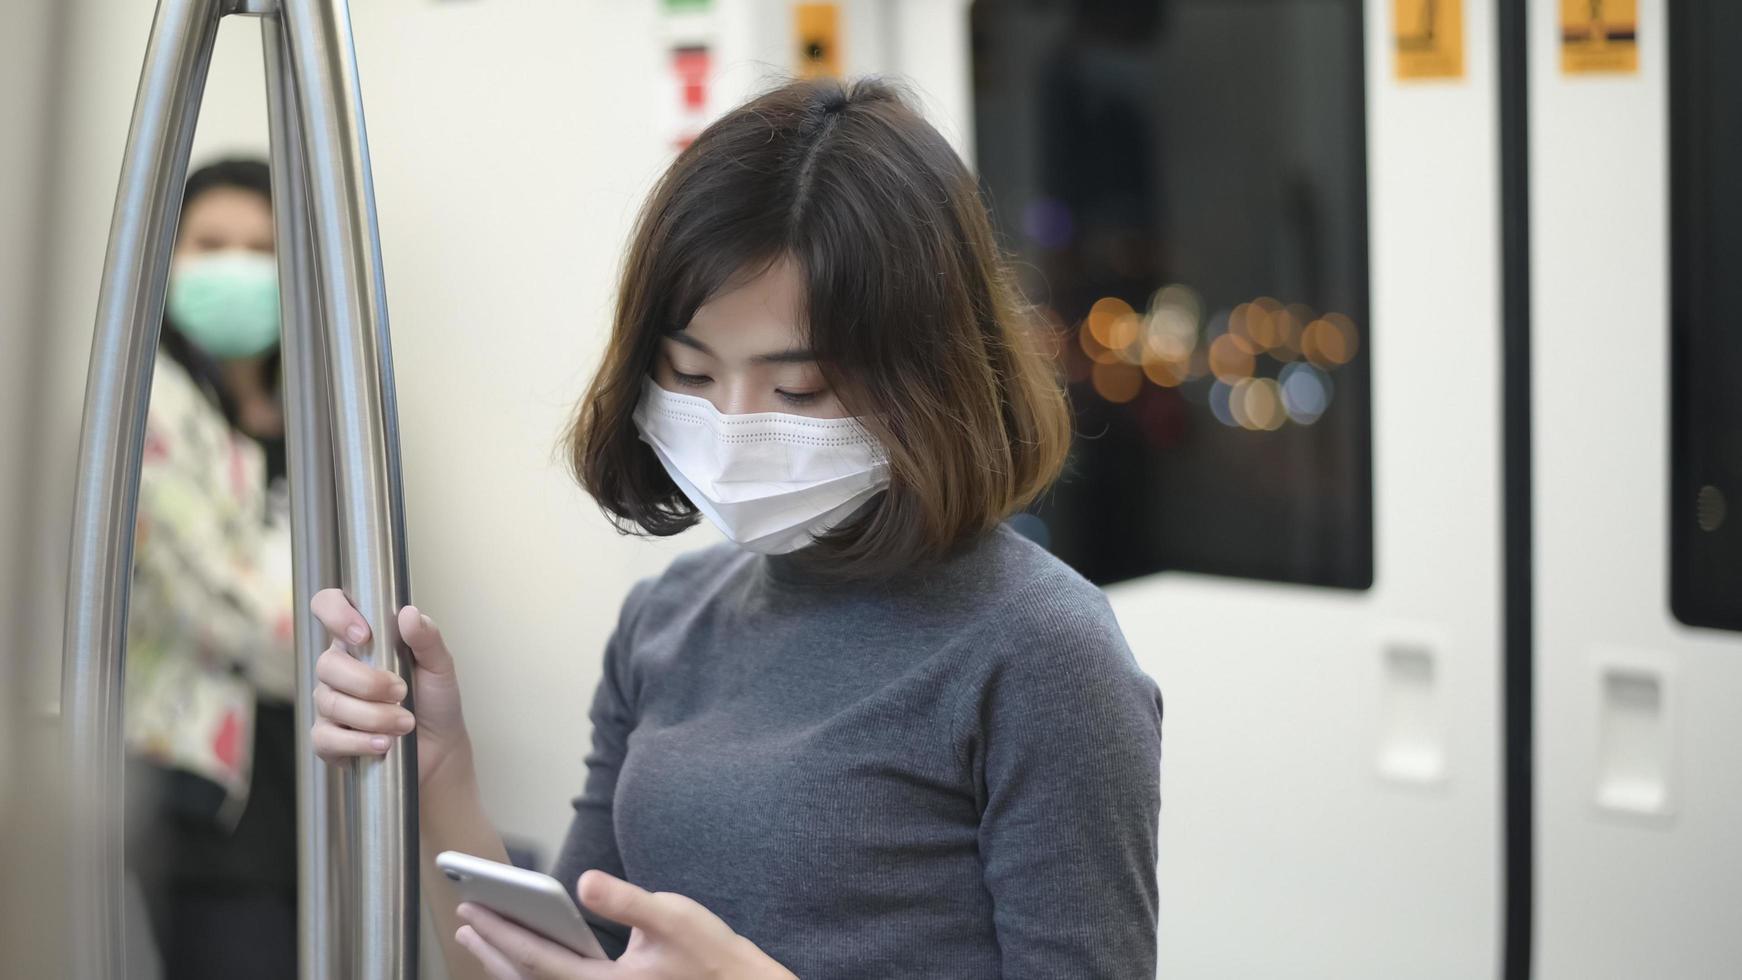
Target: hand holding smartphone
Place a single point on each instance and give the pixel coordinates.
(536, 901)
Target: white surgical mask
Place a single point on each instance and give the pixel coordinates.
(769, 481)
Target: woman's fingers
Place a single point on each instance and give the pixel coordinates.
(613, 898)
(348, 675)
(338, 617)
(365, 716)
(425, 641)
(343, 622)
(494, 962)
(661, 914)
(336, 744)
(525, 953)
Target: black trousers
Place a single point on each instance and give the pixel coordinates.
(222, 903)
(208, 931)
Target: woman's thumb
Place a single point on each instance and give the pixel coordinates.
(425, 640)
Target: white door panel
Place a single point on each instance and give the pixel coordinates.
(1639, 794)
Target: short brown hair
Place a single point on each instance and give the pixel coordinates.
(914, 317)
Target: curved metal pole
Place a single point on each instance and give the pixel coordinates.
(366, 460)
(323, 836)
(106, 502)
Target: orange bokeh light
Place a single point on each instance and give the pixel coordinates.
(1123, 335)
(1092, 346)
(1290, 322)
(1330, 340)
(1164, 372)
(1229, 360)
(1107, 311)
(1117, 382)
(1239, 328)
(1261, 323)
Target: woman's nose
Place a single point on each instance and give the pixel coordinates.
(738, 398)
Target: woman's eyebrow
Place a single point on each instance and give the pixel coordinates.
(685, 339)
(797, 355)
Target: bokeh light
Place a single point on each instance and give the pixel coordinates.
(1291, 322)
(1165, 372)
(1261, 401)
(1179, 296)
(1093, 347)
(1048, 223)
(1330, 341)
(1220, 392)
(1237, 403)
(1169, 346)
(1239, 328)
(1117, 382)
(1229, 361)
(1269, 363)
(1262, 326)
(1123, 336)
(1306, 392)
(1107, 311)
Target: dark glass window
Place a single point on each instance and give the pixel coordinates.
(1705, 114)
(1184, 185)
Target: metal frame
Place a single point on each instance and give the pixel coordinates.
(357, 825)
(1518, 656)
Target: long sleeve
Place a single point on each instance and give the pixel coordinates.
(209, 623)
(211, 571)
(1065, 741)
(592, 840)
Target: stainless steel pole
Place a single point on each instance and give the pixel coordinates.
(366, 460)
(106, 501)
(323, 834)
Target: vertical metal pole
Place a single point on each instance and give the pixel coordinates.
(106, 501)
(323, 836)
(366, 459)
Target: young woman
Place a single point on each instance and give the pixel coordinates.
(879, 734)
(211, 734)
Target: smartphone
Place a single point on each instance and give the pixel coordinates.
(535, 901)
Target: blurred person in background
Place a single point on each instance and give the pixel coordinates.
(878, 733)
(210, 670)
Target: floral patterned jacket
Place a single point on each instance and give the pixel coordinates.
(209, 626)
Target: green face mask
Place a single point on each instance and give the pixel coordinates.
(226, 302)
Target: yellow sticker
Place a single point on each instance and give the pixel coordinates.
(1429, 35)
(1599, 37)
(817, 34)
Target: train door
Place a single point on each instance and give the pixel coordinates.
(1636, 141)
(1266, 234)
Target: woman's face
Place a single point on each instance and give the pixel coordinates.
(225, 218)
(745, 351)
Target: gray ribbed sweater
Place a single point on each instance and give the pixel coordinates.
(953, 774)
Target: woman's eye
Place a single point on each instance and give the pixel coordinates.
(798, 397)
(689, 380)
